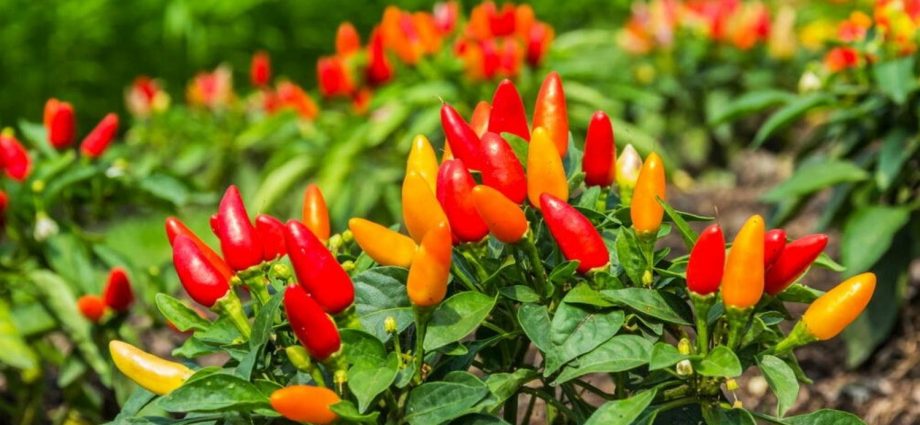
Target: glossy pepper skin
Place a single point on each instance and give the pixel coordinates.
(707, 262)
(551, 113)
(117, 292)
(773, 243)
(205, 281)
(175, 227)
(305, 403)
(260, 69)
(479, 121)
(92, 307)
(645, 211)
(97, 141)
(835, 310)
(420, 207)
(430, 270)
(270, 232)
(508, 114)
(794, 260)
(15, 160)
(237, 235)
(576, 236)
(599, 161)
(545, 172)
(315, 212)
(463, 141)
(742, 282)
(156, 375)
(318, 270)
(424, 161)
(60, 123)
(455, 187)
(501, 169)
(314, 329)
(504, 218)
(385, 246)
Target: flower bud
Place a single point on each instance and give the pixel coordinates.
(389, 325)
(684, 368)
(628, 165)
(684, 346)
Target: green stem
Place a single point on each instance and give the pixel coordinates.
(675, 403)
(534, 257)
(229, 305)
(737, 319)
(619, 382)
(422, 315)
(551, 401)
(601, 204)
(702, 305)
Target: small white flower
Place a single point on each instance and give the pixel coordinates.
(45, 227)
(809, 82)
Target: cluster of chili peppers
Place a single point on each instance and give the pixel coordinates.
(61, 129)
(117, 297)
(895, 25)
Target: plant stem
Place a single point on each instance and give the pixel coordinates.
(552, 402)
(531, 250)
(422, 315)
(702, 305)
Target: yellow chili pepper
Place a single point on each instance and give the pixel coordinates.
(505, 219)
(315, 212)
(742, 282)
(385, 246)
(430, 270)
(545, 173)
(835, 310)
(423, 160)
(305, 403)
(420, 207)
(157, 375)
(645, 210)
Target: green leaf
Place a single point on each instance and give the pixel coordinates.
(652, 303)
(279, 181)
(750, 103)
(380, 293)
(372, 371)
(721, 361)
(816, 175)
(686, 233)
(714, 414)
(138, 400)
(347, 411)
(179, 314)
(787, 114)
(825, 417)
(897, 147)
(827, 262)
(457, 317)
(798, 293)
(622, 412)
(261, 332)
(868, 234)
(630, 256)
(895, 78)
(440, 401)
(14, 351)
(584, 294)
(664, 355)
(165, 187)
(520, 293)
(503, 386)
(535, 322)
(215, 392)
(519, 146)
(782, 381)
(622, 352)
(577, 330)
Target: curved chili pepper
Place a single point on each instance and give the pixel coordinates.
(305, 403)
(479, 121)
(600, 157)
(420, 207)
(314, 329)
(96, 142)
(645, 211)
(463, 141)
(508, 114)
(318, 270)
(773, 243)
(15, 160)
(92, 307)
(430, 270)
(576, 236)
(455, 185)
(504, 218)
(707, 261)
(550, 112)
(347, 40)
(117, 292)
(545, 172)
(501, 168)
(238, 240)
(795, 259)
(385, 246)
(260, 69)
(423, 160)
(156, 375)
(315, 212)
(379, 69)
(205, 281)
(175, 227)
(835, 310)
(742, 282)
(270, 232)
(60, 123)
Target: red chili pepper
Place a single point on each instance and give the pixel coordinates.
(796, 257)
(773, 243)
(315, 214)
(175, 227)
(576, 236)
(117, 293)
(538, 40)
(455, 185)
(347, 40)
(91, 307)
(315, 330)
(379, 69)
(237, 235)
(508, 114)
(463, 141)
(60, 123)
(501, 23)
(96, 142)
(16, 162)
(600, 157)
(260, 69)
(205, 281)
(333, 77)
(551, 113)
(490, 58)
(445, 16)
(270, 232)
(707, 261)
(317, 269)
(501, 169)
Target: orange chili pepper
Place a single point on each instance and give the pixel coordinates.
(305, 403)
(423, 161)
(545, 173)
(742, 282)
(91, 307)
(385, 246)
(550, 112)
(430, 270)
(835, 310)
(504, 218)
(421, 209)
(315, 213)
(645, 210)
(479, 121)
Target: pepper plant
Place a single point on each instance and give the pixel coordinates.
(525, 283)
